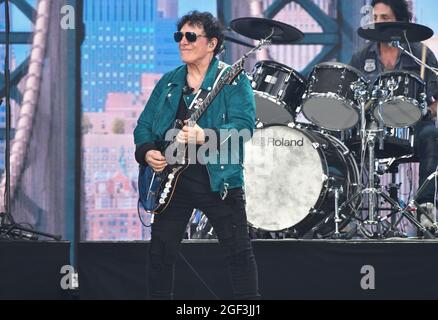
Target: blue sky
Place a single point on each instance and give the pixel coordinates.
(426, 14)
(20, 24)
(200, 5)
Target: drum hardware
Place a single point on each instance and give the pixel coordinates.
(397, 44)
(379, 220)
(430, 179)
(400, 101)
(288, 78)
(393, 190)
(350, 95)
(392, 85)
(370, 134)
(429, 230)
(337, 218)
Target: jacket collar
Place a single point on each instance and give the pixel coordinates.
(179, 78)
(210, 77)
(178, 81)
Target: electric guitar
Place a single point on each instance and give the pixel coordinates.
(156, 189)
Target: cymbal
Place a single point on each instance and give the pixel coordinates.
(260, 28)
(230, 38)
(394, 31)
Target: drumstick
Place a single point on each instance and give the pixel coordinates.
(368, 105)
(423, 59)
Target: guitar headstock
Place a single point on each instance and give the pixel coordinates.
(236, 69)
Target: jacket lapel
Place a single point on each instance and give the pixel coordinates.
(176, 85)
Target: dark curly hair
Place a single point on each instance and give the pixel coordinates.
(399, 7)
(211, 25)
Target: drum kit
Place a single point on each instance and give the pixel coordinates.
(318, 178)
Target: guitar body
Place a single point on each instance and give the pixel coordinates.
(156, 189)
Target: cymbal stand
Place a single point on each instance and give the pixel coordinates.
(373, 134)
(362, 95)
(369, 136)
(337, 217)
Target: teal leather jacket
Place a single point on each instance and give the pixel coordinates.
(233, 108)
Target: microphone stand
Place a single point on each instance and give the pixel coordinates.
(396, 44)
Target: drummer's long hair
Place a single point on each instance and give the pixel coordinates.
(399, 7)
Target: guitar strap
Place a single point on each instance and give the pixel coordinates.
(202, 94)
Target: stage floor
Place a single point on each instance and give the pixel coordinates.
(288, 269)
(32, 269)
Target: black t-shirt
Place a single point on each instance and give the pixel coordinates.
(196, 173)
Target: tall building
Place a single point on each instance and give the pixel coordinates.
(167, 9)
(110, 170)
(110, 188)
(125, 39)
(122, 110)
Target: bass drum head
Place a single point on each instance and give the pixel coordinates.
(270, 111)
(283, 177)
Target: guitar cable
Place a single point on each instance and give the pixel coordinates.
(139, 216)
(198, 276)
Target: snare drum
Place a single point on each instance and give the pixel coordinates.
(329, 101)
(278, 92)
(404, 100)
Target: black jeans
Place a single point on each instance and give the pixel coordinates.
(426, 149)
(228, 218)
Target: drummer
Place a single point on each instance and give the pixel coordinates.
(376, 58)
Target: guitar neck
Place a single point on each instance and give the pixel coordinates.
(227, 78)
(208, 100)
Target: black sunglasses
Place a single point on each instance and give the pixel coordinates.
(190, 36)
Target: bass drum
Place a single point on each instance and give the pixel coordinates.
(290, 174)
